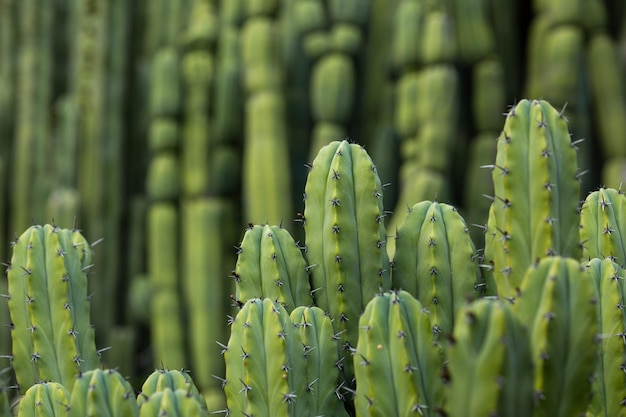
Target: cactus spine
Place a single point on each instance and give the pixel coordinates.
(436, 262)
(490, 345)
(52, 336)
(534, 212)
(398, 363)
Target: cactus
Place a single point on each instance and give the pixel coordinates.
(490, 345)
(345, 235)
(178, 403)
(266, 182)
(436, 262)
(51, 334)
(102, 392)
(163, 379)
(609, 383)
(557, 304)
(535, 209)
(398, 364)
(204, 286)
(603, 227)
(167, 323)
(265, 363)
(46, 399)
(271, 265)
(332, 89)
(320, 350)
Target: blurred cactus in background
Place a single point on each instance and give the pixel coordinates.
(228, 160)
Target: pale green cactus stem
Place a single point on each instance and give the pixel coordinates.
(345, 236)
(45, 399)
(102, 392)
(172, 403)
(534, 213)
(270, 264)
(162, 379)
(398, 363)
(609, 383)
(265, 363)
(320, 350)
(603, 225)
(52, 336)
(435, 261)
(558, 304)
(490, 363)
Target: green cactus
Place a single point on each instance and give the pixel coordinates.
(167, 329)
(266, 180)
(398, 363)
(490, 363)
(345, 235)
(271, 265)
(609, 383)
(557, 303)
(603, 225)
(265, 363)
(204, 286)
(165, 90)
(320, 350)
(162, 379)
(45, 399)
(435, 261)
(260, 55)
(48, 301)
(332, 89)
(535, 210)
(474, 33)
(102, 392)
(172, 403)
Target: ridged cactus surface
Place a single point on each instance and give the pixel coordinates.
(490, 363)
(51, 333)
(265, 363)
(603, 225)
(436, 261)
(45, 399)
(557, 303)
(398, 364)
(270, 264)
(609, 382)
(345, 235)
(535, 208)
(102, 392)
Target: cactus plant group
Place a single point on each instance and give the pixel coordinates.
(436, 258)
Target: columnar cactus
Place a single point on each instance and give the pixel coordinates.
(48, 301)
(265, 363)
(534, 213)
(557, 303)
(320, 350)
(172, 403)
(603, 225)
(271, 265)
(398, 364)
(46, 399)
(436, 262)
(609, 382)
(162, 379)
(102, 392)
(345, 235)
(490, 364)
